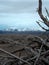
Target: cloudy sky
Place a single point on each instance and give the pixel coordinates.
(20, 13)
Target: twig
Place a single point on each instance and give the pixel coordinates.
(39, 54)
(47, 11)
(32, 58)
(46, 52)
(8, 62)
(45, 60)
(42, 27)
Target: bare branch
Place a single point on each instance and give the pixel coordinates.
(41, 26)
(41, 15)
(47, 11)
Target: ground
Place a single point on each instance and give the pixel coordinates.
(23, 49)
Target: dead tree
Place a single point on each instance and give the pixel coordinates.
(43, 18)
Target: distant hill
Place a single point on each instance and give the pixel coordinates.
(4, 31)
(23, 32)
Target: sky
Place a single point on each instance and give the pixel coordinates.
(21, 13)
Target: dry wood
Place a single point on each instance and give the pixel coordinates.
(14, 56)
(38, 55)
(32, 55)
(41, 14)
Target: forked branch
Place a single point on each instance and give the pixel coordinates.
(41, 14)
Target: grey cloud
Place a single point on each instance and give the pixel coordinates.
(16, 6)
(20, 6)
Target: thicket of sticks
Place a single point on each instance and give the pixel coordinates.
(35, 52)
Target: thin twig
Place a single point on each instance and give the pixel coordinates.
(39, 54)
